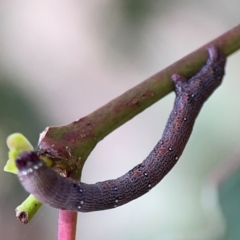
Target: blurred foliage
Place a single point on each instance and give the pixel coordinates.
(136, 10)
(18, 114)
(230, 200)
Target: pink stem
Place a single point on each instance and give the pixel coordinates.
(67, 221)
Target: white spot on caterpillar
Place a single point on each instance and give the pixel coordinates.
(24, 172)
(37, 166)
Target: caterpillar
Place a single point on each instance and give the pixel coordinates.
(64, 193)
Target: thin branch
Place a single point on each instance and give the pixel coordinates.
(75, 141)
(27, 209)
(67, 221)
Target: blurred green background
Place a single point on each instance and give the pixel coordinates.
(60, 60)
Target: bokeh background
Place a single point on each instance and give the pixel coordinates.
(60, 60)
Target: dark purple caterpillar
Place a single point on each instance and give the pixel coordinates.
(63, 193)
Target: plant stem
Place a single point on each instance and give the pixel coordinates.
(75, 141)
(67, 221)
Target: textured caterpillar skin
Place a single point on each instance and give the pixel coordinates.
(63, 193)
